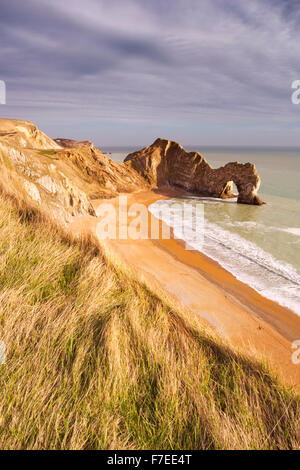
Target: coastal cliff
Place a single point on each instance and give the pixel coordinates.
(167, 163)
(63, 175)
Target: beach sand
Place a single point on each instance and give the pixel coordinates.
(258, 327)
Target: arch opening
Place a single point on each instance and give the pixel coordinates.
(234, 190)
(229, 190)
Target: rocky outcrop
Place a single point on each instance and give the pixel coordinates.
(62, 175)
(70, 143)
(167, 163)
(25, 134)
(42, 181)
(100, 176)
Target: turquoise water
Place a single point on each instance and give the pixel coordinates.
(258, 245)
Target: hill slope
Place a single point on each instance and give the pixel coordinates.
(95, 360)
(63, 178)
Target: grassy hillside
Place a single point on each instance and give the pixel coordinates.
(95, 360)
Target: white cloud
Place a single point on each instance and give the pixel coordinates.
(172, 61)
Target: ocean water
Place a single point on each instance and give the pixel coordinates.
(259, 245)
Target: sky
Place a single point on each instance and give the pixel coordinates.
(124, 72)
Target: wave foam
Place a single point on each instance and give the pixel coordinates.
(274, 279)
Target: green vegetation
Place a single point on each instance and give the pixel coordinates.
(48, 153)
(95, 360)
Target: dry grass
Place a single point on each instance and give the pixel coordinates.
(97, 361)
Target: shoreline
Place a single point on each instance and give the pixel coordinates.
(259, 327)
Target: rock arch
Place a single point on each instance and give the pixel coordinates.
(166, 162)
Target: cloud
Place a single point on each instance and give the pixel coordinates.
(137, 62)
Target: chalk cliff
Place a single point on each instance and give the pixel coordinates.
(167, 163)
(24, 134)
(63, 175)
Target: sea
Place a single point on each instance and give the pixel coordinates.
(259, 245)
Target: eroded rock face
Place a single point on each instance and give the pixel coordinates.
(71, 143)
(25, 134)
(27, 156)
(167, 163)
(44, 183)
(100, 176)
(62, 175)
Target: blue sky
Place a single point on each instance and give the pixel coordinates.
(123, 72)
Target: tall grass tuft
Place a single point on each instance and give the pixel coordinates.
(95, 360)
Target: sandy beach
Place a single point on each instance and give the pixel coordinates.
(258, 327)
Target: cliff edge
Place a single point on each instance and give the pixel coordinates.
(62, 175)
